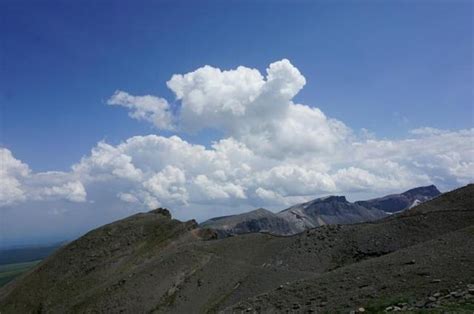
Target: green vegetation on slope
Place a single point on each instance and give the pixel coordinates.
(9, 271)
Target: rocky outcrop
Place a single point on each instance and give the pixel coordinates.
(161, 211)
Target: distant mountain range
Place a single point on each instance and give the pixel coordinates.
(321, 211)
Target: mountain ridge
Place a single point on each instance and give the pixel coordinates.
(398, 202)
(332, 209)
(150, 262)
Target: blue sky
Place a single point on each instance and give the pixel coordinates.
(301, 99)
(384, 67)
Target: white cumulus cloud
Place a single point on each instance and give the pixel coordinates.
(274, 152)
(20, 184)
(153, 109)
(12, 171)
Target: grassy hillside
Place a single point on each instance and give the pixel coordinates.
(9, 271)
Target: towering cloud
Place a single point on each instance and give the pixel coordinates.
(274, 152)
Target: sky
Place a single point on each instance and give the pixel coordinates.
(211, 107)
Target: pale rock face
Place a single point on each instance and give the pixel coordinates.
(415, 203)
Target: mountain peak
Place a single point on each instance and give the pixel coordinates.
(161, 211)
(331, 198)
(399, 202)
(429, 190)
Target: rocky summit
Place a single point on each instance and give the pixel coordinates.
(417, 260)
(259, 220)
(399, 202)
